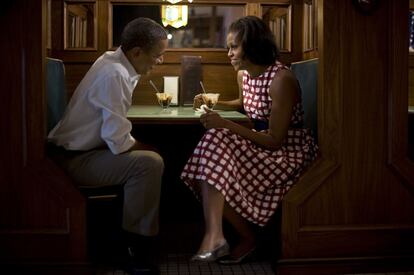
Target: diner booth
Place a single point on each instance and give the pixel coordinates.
(352, 210)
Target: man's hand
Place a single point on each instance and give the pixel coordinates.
(143, 146)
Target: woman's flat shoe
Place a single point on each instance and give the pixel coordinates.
(211, 256)
(229, 260)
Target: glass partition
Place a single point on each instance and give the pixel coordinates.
(279, 20)
(80, 26)
(192, 26)
(310, 41)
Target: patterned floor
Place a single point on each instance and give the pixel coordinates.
(179, 264)
(178, 240)
(176, 249)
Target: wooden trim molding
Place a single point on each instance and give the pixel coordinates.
(309, 183)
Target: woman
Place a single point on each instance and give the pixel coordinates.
(241, 173)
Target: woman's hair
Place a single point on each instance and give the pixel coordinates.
(142, 32)
(257, 40)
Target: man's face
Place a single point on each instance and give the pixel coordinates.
(144, 61)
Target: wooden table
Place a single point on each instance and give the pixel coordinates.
(154, 114)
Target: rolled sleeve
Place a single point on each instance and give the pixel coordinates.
(116, 132)
(114, 99)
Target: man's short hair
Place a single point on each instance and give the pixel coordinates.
(142, 32)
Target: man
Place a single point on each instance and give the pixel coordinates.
(94, 134)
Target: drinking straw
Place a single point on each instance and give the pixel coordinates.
(153, 85)
(202, 86)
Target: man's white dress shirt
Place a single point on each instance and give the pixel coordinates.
(97, 112)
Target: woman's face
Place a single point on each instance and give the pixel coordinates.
(235, 52)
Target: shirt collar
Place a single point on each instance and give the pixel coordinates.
(124, 61)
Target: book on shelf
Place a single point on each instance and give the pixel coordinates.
(77, 26)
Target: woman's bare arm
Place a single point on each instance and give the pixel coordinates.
(284, 92)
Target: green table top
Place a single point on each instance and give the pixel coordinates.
(155, 114)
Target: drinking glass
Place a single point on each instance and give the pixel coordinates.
(210, 99)
(164, 99)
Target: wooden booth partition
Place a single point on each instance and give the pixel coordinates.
(353, 211)
(42, 215)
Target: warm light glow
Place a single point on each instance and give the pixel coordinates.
(175, 1)
(175, 16)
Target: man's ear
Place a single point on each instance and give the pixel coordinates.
(136, 51)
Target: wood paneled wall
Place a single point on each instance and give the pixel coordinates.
(216, 78)
(354, 208)
(42, 215)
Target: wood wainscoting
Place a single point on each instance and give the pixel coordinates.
(354, 208)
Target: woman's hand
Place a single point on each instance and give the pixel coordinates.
(212, 119)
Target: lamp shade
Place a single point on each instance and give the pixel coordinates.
(173, 1)
(175, 16)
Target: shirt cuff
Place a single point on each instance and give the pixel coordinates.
(118, 149)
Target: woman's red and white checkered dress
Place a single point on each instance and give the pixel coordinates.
(253, 180)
